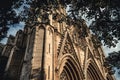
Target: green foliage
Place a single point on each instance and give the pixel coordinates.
(106, 15)
(8, 15)
(113, 61)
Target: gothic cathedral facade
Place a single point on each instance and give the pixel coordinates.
(53, 52)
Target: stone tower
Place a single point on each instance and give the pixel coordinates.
(54, 52)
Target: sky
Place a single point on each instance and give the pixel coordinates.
(13, 29)
(109, 50)
(16, 27)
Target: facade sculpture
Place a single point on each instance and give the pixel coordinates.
(54, 52)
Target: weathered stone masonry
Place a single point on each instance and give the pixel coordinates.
(53, 52)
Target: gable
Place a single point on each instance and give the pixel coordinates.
(67, 47)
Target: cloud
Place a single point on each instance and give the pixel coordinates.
(13, 29)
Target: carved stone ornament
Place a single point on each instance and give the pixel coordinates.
(63, 76)
(69, 49)
(79, 41)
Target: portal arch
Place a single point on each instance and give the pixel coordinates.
(93, 72)
(69, 68)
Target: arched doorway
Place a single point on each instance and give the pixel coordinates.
(70, 69)
(93, 73)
